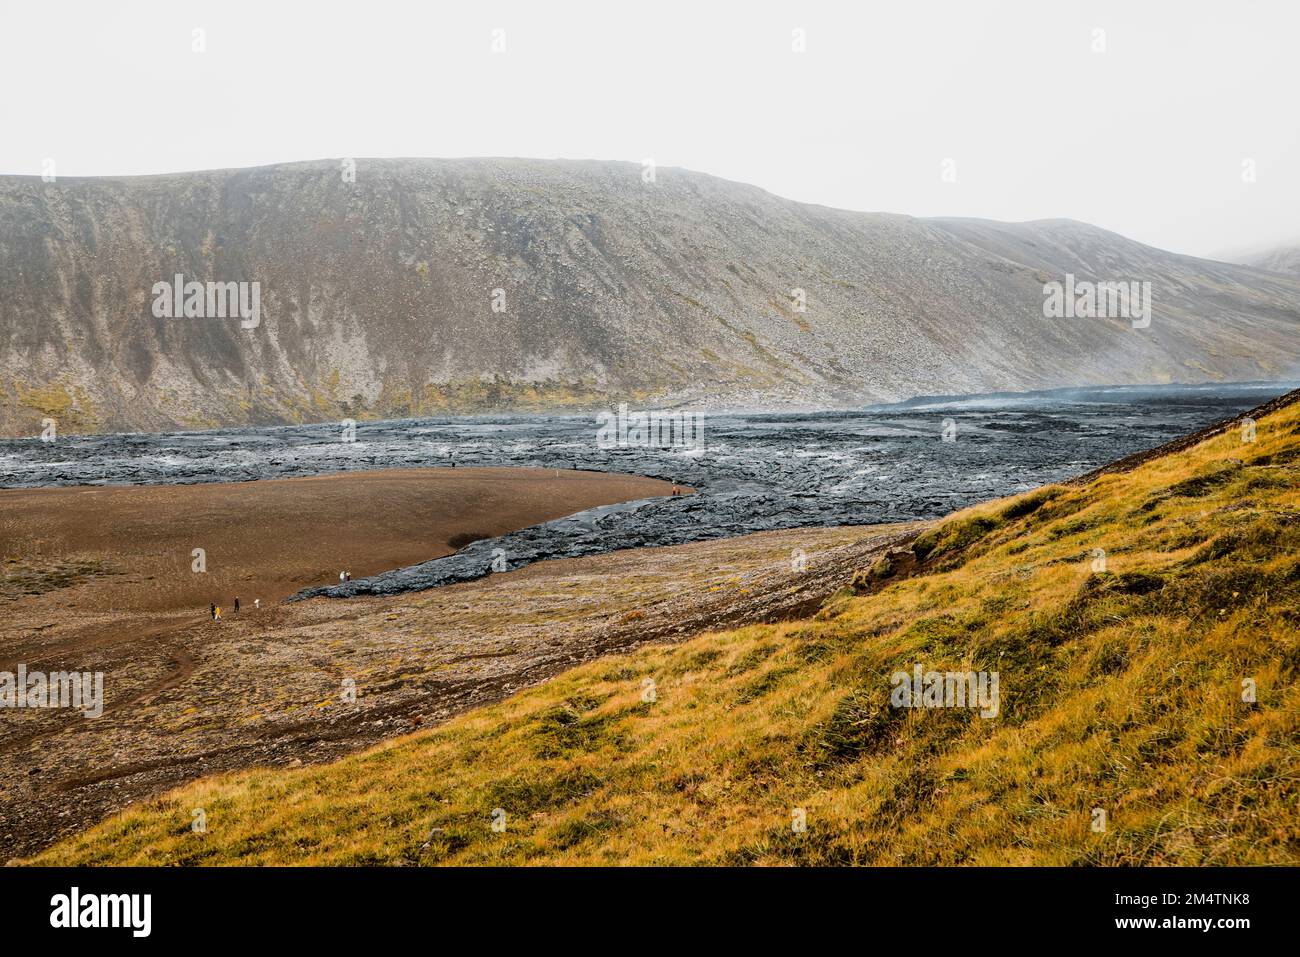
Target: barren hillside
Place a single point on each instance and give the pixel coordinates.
(377, 298)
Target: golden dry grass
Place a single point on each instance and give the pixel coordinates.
(1121, 690)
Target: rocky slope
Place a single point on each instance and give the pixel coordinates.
(377, 298)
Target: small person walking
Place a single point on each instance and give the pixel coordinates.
(236, 604)
(216, 616)
(212, 610)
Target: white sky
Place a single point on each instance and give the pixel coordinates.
(1147, 138)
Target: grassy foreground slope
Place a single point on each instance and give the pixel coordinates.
(1121, 690)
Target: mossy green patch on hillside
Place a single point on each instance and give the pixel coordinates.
(71, 409)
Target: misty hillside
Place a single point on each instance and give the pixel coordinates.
(1283, 259)
(377, 296)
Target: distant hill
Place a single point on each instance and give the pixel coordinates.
(377, 298)
(1283, 259)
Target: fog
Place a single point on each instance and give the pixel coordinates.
(1170, 122)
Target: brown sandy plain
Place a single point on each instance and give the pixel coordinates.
(269, 539)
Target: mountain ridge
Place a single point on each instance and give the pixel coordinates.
(377, 298)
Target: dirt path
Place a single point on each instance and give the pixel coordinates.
(192, 697)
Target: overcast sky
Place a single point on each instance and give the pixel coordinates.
(1151, 128)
